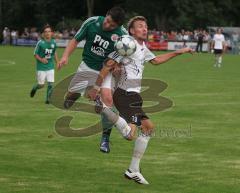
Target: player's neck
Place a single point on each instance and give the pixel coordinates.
(47, 39)
(140, 41)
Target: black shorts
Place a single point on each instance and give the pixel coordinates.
(218, 51)
(129, 105)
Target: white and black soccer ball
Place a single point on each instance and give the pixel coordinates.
(125, 45)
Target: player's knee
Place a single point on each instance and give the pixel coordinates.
(130, 137)
(148, 129)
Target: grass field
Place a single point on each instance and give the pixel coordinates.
(206, 159)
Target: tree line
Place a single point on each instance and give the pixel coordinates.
(161, 14)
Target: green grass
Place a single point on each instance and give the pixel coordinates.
(207, 160)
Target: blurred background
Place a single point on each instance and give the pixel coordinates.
(169, 21)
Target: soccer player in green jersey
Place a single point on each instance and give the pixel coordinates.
(45, 53)
(100, 34)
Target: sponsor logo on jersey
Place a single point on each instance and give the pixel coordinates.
(101, 42)
(48, 53)
(114, 37)
(98, 51)
(99, 45)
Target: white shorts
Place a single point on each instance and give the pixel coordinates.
(45, 75)
(86, 77)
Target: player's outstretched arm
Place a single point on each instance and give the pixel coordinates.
(109, 65)
(67, 52)
(165, 57)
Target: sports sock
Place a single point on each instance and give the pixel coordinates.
(216, 60)
(220, 60)
(119, 122)
(139, 149)
(107, 127)
(49, 91)
(36, 87)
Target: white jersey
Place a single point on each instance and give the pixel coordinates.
(218, 41)
(132, 68)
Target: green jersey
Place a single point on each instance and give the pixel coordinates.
(45, 49)
(99, 43)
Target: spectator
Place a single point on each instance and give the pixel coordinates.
(171, 36)
(200, 38)
(235, 40)
(72, 33)
(179, 37)
(185, 38)
(6, 36)
(34, 35)
(14, 37)
(25, 33)
(150, 36)
(65, 34)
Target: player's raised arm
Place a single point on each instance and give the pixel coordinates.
(165, 57)
(67, 52)
(72, 45)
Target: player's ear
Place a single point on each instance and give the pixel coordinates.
(131, 30)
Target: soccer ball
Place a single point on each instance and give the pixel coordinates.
(125, 45)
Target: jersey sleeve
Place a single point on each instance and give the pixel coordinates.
(148, 55)
(37, 50)
(82, 32)
(115, 56)
(124, 31)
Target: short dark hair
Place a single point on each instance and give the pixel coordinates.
(117, 14)
(47, 26)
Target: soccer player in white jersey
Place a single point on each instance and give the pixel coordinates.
(127, 97)
(218, 47)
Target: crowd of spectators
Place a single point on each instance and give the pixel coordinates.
(10, 36)
(183, 35)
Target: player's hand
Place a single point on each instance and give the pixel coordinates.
(185, 50)
(62, 62)
(92, 94)
(116, 71)
(44, 60)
